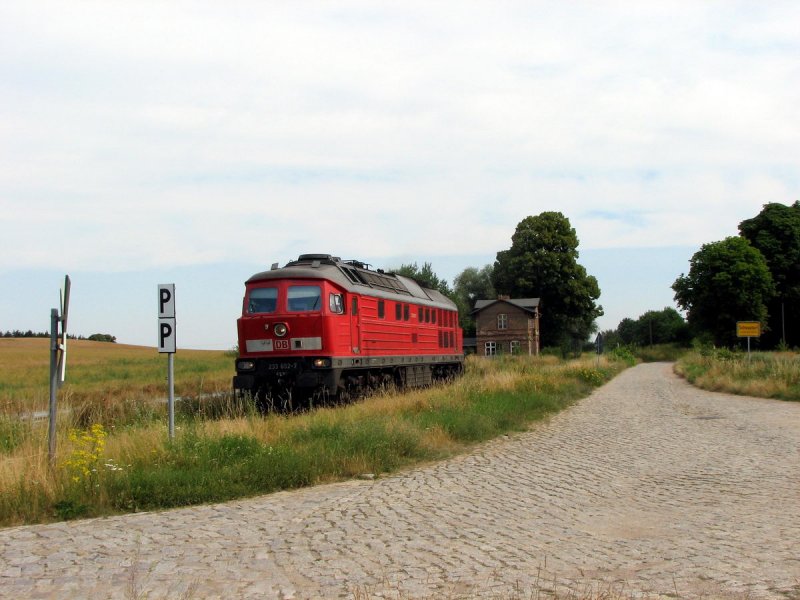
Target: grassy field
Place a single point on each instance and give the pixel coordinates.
(763, 374)
(116, 456)
(102, 372)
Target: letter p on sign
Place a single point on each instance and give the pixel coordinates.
(166, 318)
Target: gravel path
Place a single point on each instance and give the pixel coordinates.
(647, 488)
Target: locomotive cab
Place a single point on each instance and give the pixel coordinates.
(285, 335)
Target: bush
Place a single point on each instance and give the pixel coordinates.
(102, 337)
(624, 354)
(660, 352)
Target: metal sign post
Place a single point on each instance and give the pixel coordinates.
(748, 329)
(598, 342)
(58, 363)
(51, 433)
(167, 344)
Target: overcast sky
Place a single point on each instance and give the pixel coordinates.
(202, 141)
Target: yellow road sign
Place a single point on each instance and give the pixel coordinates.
(748, 329)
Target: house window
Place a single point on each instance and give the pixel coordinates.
(502, 321)
(491, 348)
(514, 346)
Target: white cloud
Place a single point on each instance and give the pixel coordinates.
(160, 134)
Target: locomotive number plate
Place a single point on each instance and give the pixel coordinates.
(281, 367)
(281, 344)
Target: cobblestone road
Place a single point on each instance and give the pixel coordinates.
(648, 487)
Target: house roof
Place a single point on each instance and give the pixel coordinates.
(528, 304)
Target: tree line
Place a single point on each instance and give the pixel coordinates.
(95, 337)
(665, 326)
(754, 276)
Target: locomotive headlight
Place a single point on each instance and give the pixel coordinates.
(322, 363)
(280, 329)
(245, 365)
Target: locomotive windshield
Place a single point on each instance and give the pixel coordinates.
(304, 298)
(263, 300)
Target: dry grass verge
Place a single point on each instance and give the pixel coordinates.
(763, 374)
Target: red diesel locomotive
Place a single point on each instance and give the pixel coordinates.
(324, 327)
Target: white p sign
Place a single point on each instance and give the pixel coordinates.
(166, 318)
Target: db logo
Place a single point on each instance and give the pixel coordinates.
(281, 344)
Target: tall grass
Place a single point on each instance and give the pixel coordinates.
(762, 374)
(229, 451)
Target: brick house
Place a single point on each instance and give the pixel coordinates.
(507, 326)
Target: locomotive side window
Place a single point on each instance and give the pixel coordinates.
(336, 304)
(262, 300)
(354, 306)
(406, 312)
(433, 315)
(381, 309)
(398, 311)
(304, 298)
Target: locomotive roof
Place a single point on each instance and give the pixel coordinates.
(356, 277)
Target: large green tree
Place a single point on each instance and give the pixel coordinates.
(728, 281)
(469, 286)
(543, 263)
(775, 231)
(425, 276)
